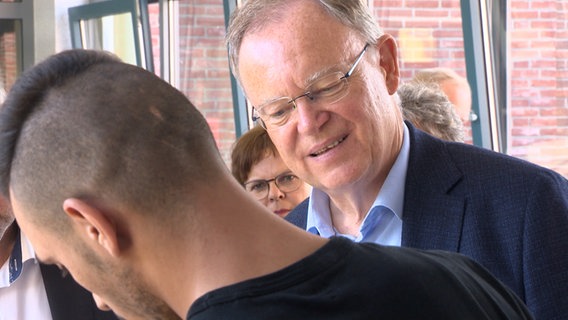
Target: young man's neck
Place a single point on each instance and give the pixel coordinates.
(241, 240)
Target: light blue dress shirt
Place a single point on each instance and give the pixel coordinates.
(383, 221)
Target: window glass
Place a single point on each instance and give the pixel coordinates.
(154, 21)
(111, 33)
(114, 26)
(535, 40)
(200, 64)
(537, 110)
(429, 35)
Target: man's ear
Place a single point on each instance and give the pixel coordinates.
(95, 223)
(387, 49)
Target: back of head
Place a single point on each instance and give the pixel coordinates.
(452, 84)
(83, 124)
(436, 75)
(248, 150)
(253, 15)
(429, 109)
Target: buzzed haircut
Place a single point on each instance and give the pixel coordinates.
(84, 124)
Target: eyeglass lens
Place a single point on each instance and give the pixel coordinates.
(285, 183)
(328, 90)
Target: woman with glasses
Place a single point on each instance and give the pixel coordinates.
(256, 165)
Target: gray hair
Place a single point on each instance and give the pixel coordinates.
(428, 108)
(253, 15)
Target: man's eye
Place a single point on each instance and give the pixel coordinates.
(280, 112)
(328, 89)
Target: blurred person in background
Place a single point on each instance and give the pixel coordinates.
(429, 110)
(453, 85)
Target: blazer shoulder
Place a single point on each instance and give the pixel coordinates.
(429, 154)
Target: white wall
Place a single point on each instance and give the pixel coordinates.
(62, 34)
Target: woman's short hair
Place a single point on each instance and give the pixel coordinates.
(248, 150)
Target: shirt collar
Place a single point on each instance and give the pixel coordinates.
(391, 195)
(21, 253)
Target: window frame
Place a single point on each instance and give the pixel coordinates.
(22, 11)
(99, 10)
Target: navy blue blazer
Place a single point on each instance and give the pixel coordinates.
(68, 300)
(508, 214)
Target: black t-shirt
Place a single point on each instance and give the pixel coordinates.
(346, 280)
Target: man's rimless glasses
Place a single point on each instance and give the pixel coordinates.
(328, 89)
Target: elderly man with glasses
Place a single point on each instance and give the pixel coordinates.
(322, 77)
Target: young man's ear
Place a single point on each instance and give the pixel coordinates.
(388, 61)
(95, 224)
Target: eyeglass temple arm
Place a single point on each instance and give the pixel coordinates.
(348, 74)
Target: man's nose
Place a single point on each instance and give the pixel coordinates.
(310, 115)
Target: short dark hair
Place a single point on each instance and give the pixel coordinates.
(84, 124)
(248, 150)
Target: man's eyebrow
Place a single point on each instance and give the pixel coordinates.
(320, 73)
(310, 80)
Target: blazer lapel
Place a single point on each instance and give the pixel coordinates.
(434, 200)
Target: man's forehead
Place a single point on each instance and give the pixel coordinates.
(310, 32)
(270, 61)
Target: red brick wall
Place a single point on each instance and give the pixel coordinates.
(429, 34)
(539, 82)
(204, 67)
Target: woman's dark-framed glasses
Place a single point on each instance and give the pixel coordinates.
(286, 182)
